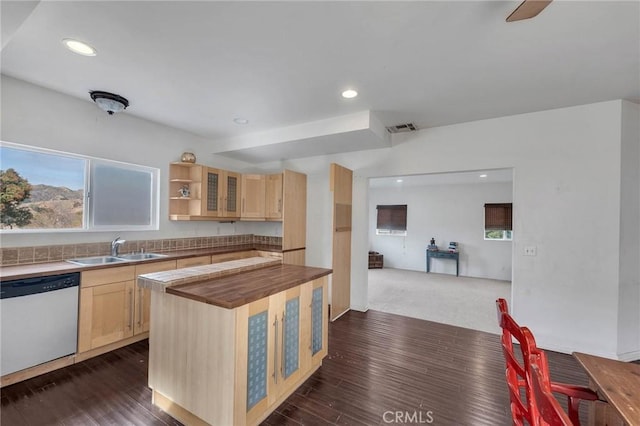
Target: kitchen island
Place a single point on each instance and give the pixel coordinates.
(228, 349)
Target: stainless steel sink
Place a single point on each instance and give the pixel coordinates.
(97, 260)
(141, 256)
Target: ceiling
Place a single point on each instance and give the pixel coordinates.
(282, 65)
(462, 178)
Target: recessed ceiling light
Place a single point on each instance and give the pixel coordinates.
(241, 121)
(483, 176)
(79, 47)
(399, 180)
(349, 93)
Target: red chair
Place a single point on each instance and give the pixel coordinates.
(549, 410)
(517, 373)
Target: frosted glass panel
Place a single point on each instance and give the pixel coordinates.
(121, 196)
(257, 359)
(316, 320)
(291, 336)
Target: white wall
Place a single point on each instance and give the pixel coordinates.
(452, 212)
(629, 297)
(566, 165)
(36, 116)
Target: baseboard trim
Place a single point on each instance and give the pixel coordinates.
(36, 370)
(629, 356)
(47, 367)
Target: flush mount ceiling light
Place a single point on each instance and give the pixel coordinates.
(483, 176)
(240, 120)
(349, 94)
(78, 47)
(109, 102)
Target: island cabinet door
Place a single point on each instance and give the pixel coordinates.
(290, 341)
(254, 380)
(319, 312)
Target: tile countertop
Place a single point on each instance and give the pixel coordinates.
(56, 268)
(159, 281)
(235, 290)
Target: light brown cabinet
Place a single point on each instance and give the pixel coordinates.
(142, 313)
(273, 197)
(193, 261)
(112, 306)
(107, 307)
(221, 193)
(253, 197)
(185, 191)
(264, 351)
(294, 217)
(198, 192)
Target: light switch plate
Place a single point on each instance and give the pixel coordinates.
(530, 251)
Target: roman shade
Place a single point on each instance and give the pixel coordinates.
(392, 217)
(498, 216)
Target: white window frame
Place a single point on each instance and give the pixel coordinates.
(87, 225)
(506, 235)
(391, 232)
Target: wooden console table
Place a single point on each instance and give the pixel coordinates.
(442, 254)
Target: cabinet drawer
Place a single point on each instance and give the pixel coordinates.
(217, 258)
(155, 267)
(193, 261)
(108, 275)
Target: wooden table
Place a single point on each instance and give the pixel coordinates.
(616, 382)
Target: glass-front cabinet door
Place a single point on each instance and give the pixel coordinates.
(231, 194)
(212, 195)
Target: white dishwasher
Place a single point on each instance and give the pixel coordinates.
(39, 320)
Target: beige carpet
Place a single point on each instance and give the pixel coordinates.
(461, 301)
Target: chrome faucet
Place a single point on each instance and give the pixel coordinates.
(115, 245)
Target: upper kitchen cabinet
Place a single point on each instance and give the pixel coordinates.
(273, 197)
(198, 192)
(221, 193)
(253, 197)
(294, 217)
(185, 190)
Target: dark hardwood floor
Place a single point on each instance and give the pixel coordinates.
(379, 366)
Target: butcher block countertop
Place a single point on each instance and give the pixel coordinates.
(235, 290)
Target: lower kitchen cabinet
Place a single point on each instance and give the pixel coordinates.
(279, 357)
(112, 306)
(142, 313)
(319, 311)
(264, 350)
(106, 307)
(275, 349)
(193, 261)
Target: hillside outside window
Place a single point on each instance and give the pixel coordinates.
(44, 190)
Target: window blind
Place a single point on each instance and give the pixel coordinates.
(392, 217)
(498, 216)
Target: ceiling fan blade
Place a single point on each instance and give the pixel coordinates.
(528, 9)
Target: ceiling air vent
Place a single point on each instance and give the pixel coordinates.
(402, 128)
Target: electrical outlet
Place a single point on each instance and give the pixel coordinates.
(530, 251)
